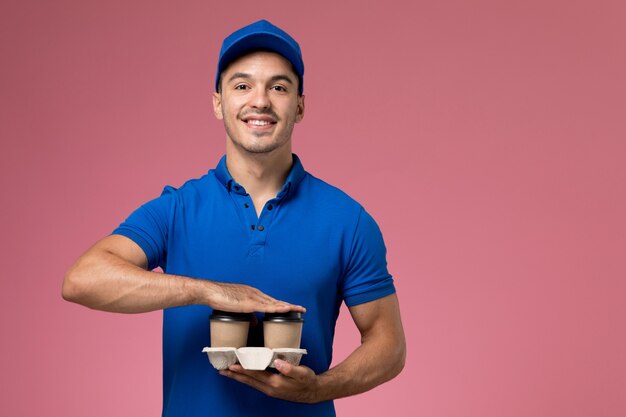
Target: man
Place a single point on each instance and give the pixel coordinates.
(254, 231)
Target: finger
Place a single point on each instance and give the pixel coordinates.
(260, 301)
(236, 368)
(255, 381)
(282, 307)
(288, 370)
(299, 373)
(261, 376)
(243, 378)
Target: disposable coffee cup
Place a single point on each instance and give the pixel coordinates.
(229, 329)
(282, 330)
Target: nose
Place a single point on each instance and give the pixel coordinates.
(260, 99)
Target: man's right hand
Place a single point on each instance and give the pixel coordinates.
(246, 299)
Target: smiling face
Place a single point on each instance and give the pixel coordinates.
(259, 103)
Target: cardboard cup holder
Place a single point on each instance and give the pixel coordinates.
(252, 358)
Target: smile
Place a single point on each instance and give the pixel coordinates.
(259, 122)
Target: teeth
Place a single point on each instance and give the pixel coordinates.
(258, 122)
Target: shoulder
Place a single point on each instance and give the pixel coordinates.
(326, 204)
(191, 189)
(321, 190)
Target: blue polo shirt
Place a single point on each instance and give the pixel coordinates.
(312, 245)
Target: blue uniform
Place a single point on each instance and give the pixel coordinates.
(312, 245)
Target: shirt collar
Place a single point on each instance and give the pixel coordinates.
(294, 178)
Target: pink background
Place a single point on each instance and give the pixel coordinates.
(487, 138)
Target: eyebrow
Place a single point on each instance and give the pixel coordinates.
(245, 75)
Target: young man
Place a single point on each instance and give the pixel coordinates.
(254, 231)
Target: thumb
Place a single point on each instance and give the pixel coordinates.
(297, 372)
(284, 367)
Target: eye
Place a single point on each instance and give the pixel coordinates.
(241, 87)
(279, 88)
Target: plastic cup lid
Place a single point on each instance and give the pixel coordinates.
(290, 316)
(230, 316)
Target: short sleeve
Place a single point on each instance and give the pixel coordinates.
(366, 277)
(148, 227)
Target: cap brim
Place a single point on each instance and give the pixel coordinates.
(265, 42)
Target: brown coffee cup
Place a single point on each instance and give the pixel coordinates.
(229, 329)
(282, 330)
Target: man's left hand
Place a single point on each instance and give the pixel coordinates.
(292, 383)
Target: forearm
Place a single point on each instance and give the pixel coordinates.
(374, 362)
(112, 276)
(104, 281)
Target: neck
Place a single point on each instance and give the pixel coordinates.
(262, 175)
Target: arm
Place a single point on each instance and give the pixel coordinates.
(379, 358)
(112, 276)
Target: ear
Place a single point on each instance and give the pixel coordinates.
(217, 106)
(300, 109)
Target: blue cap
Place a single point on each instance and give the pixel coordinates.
(261, 35)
